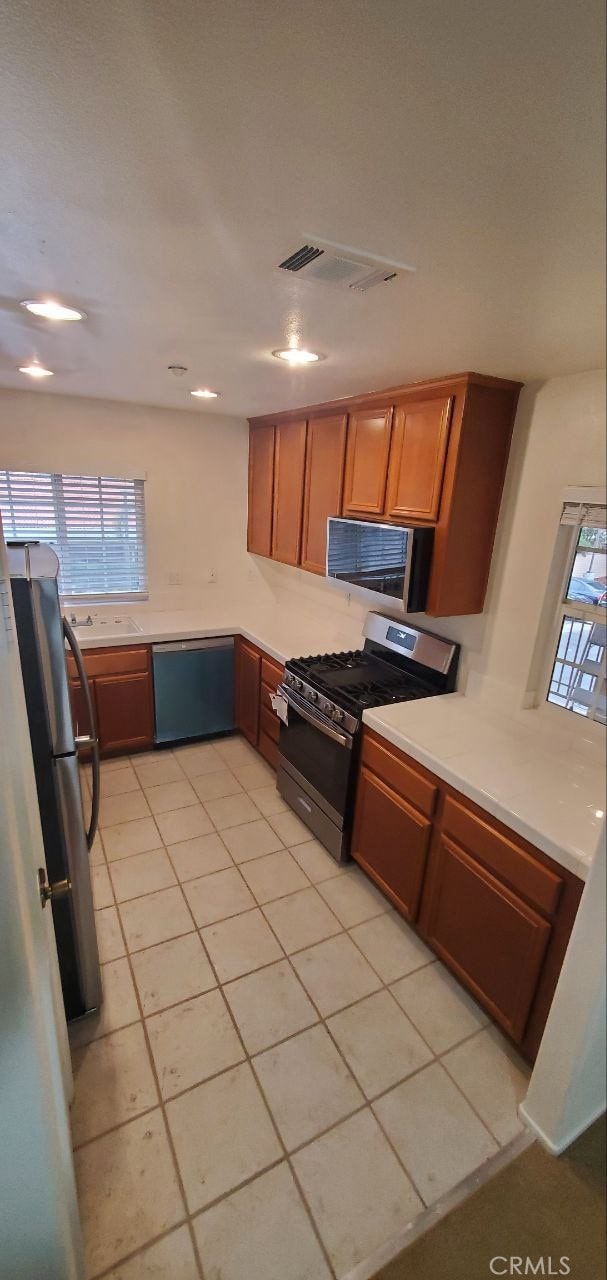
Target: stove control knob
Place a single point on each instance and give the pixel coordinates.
(312, 696)
(288, 678)
(298, 685)
(338, 715)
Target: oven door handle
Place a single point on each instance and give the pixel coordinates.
(343, 739)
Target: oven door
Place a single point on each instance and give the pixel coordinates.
(315, 769)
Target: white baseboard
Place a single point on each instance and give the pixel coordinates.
(556, 1149)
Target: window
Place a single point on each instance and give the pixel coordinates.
(95, 524)
(578, 676)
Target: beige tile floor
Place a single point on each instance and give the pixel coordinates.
(283, 1076)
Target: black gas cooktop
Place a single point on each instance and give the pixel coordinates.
(356, 680)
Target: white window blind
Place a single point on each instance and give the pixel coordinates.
(95, 523)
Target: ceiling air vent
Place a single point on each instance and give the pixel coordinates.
(336, 264)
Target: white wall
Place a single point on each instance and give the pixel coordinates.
(558, 441)
(567, 1090)
(196, 468)
(196, 505)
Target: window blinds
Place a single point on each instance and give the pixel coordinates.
(580, 513)
(359, 548)
(95, 524)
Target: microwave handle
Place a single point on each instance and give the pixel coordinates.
(342, 738)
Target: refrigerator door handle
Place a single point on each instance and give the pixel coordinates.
(91, 740)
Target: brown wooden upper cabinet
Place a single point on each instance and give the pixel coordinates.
(325, 453)
(433, 453)
(261, 489)
(417, 459)
(367, 456)
(289, 463)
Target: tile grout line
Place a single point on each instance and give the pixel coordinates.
(161, 1107)
(274, 1124)
(262, 1093)
(165, 1117)
(167, 1130)
(384, 985)
(258, 1173)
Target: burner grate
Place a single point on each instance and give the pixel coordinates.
(356, 680)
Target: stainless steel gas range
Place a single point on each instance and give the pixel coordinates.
(321, 703)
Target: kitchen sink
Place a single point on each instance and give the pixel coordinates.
(95, 624)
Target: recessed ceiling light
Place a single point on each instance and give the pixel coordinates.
(34, 370)
(297, 356)
(203, 393)
(50, 309)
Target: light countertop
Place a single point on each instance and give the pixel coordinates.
(281, 633)
(514, 767)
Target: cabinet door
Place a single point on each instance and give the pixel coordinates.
(289, 462)
(261, 487)
(325, 453)
(491, 939)
(366, 468)
(417, 459)
(125, 712)
(390, 840)
(248, 670)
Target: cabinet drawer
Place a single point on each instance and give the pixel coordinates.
(390, 840)
(390, 766)
(271, 673)
(496, 851)
(491, 939)
(268, 720)
(111, 662)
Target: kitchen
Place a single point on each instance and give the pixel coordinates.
(347, 968)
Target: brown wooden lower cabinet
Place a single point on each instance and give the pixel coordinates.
(491, 939)
(246, 678)
(390, 841)
(125, 712)
(256, 677)
(496, 910)
(121, 686)
(269, 727)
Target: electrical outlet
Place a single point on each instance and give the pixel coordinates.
(212, 575)
(175, 578)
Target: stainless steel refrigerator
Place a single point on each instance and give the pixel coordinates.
(42, 634)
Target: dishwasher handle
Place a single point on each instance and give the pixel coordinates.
(189, 646)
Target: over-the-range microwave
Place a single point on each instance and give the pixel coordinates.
(386, 558)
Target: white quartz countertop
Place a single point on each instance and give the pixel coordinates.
(281, 632)
(514, 767)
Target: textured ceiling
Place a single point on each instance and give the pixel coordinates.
(159, 160)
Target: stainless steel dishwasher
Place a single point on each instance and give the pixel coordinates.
(193, 688)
